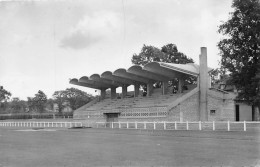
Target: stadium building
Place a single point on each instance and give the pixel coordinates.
(197, 102)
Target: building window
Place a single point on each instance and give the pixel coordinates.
(212, 112)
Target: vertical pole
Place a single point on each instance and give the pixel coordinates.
(187, 125)
(203, 85)
(135, 125)
(244, 125)
(164, 125)
(70, 124)
(127, 125)
(213, 125)
(175, 125)
(119, 125)
(154, 126)
(228, 126)
(112, 125)
(199, 125)
(144, 125)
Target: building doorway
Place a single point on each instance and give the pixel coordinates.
(237, 112)
(111, 117)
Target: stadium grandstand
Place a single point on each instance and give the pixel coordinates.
(197, 102)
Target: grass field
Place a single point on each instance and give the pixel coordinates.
(114, 147)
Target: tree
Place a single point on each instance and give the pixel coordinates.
(72, 97)
(60, 98)
(16, 105)
(4, 94)
(240, 50)
(169, 54)
(77, 98)
(148, 54)
(172, 55)
(37, 103)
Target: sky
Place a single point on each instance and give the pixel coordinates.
(43, 44)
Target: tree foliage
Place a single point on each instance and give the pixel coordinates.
(17, 105)
(71, 97)
(169, 54)
(60, 99)
(38, 102)
(240, 50)
(4, 94)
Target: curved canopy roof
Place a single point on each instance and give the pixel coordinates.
(151, 72)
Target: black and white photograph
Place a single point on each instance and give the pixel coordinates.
(129, 83)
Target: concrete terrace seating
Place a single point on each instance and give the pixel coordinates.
(156, 100)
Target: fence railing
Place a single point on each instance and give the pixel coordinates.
(210, 126)
(42, 124)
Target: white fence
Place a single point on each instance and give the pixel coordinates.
(42, 124)
(211, 126)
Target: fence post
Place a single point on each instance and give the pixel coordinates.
(164, 125)
(135, 125)
(213, 125)
(228, 126)
(199, 125)
(144, 125)
(187, 125)
(154, 126)
(244, 125)
(112, 125)
(175, 125)
(119, 125)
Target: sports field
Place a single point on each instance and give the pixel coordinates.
(114, 147)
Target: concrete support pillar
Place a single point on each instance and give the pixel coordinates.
(124, 91)
(113, 93)
(149, 89)
(136, 87)
(209, 81)
(180, 85)
(203, 85)
(103, 94)
(164, 87)
(256, 114)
